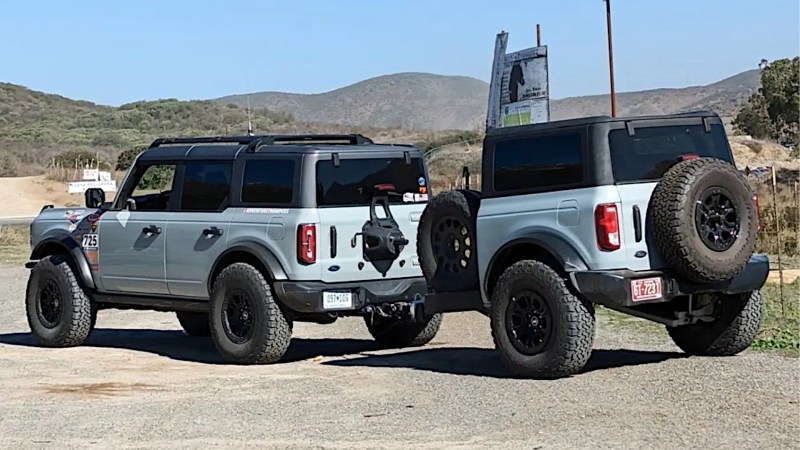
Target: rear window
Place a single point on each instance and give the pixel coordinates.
(353, 182)
(651, 151)
(268, 181)
(538, 163)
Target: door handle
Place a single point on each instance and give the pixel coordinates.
(152, 229)
(213, 231)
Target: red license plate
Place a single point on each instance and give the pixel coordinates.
(646, 289)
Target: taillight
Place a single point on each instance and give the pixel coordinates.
(758, 213)
(606, 221)
(307, 243)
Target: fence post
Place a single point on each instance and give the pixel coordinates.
(778, 238)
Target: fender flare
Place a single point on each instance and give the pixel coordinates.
(567, 257)
(71, 248)
(265, 256)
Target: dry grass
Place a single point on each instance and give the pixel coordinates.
(14, 244)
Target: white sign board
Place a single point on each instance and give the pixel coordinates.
(90, 174)
(79, 187)
(520, 81)
(104, 176)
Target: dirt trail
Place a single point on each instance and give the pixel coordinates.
(25, 196)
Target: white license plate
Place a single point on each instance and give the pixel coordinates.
(646, 289)
(337, 300)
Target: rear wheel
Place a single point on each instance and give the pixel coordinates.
(540, 329)
(396, 333)
(59, 312)
(247, 324)
(194, 323)
(738, 320)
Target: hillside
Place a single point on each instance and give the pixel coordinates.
(403, 100)
(426, 101)
(34, 126)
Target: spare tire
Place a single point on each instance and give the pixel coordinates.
(704, 220)
(446, 241)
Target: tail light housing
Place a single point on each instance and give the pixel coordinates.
(307, 243)
(606, 221)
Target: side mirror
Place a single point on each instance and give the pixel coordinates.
(131, 204)
(94, 197)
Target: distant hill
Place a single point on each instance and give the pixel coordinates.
(438, 102)
(403, 100)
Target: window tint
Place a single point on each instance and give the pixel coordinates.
(268, 181)
(153, 188)
(651, 151)
(206, 186)
(353, 182)
(539, 162)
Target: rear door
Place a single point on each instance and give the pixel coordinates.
(639, 160)
(197, 233)
(343, 195)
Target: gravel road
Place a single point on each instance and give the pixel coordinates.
(141, 383)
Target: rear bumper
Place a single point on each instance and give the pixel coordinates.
(307, 296)
(613, 288)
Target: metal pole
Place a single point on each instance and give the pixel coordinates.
(538, 36)
(610, 59)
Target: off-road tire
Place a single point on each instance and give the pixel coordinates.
(734, 330)
(443, 209)
(194, 323)
(395, 333)
(572, 323)
(271, 332)
(673, 205)
(77, 316)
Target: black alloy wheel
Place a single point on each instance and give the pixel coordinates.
(238, 316)
(529, 323)
(50, 304)
(716, 219)
(452, 246)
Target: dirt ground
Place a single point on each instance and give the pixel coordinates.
(141, 383)
(25, 196)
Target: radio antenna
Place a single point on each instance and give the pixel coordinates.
(249, 121)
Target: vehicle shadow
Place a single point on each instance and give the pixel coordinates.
(486, 362)
(177, 345)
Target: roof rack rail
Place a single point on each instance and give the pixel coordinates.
(253, 142)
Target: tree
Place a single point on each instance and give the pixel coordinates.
(774, 111)
(125, 159)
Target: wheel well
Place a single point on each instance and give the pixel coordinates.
(515, 254)
(238, 256)
(48, 249)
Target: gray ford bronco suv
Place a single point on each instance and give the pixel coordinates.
(646, 215)
(241, 237)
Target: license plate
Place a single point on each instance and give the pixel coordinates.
(646, 289)
(337, 300)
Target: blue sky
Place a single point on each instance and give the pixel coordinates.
(117, 52)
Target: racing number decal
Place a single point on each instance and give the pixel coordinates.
(89, 240)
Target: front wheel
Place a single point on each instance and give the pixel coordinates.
(247, 324)
(738, 320)
(396, 333)
(540, 329)
(59, 312)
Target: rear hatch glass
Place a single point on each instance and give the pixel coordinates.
(353, 182)
(651, 151)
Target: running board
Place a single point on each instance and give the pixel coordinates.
(152, 303)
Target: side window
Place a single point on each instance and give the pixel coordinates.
(538, 163)
(152, 190)
(206, 186)
(268, 181)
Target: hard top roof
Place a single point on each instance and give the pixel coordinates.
(592, 120)
(228, 147)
